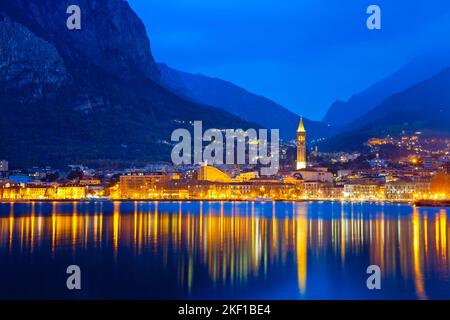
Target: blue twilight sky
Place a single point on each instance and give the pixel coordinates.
(303, 54)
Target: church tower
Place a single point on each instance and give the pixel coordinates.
(301, 146)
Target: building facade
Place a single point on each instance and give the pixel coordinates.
(142, 185)
(407, 190)
(212, 174)
(363, 191)
(316, 174)
(301, 146)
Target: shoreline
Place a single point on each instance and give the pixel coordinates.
(203, 200)
(418, 203)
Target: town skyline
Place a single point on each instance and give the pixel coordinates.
(297, 179)
(143, 155)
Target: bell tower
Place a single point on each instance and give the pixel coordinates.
(301, 146)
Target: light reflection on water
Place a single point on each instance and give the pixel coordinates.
(237, 250)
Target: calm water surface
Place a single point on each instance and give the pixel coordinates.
(230, 250)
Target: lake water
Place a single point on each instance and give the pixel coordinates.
(228, 250)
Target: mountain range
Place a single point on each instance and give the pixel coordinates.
(240, 102)
(97, 96)
(89, 95)
(423, 107)
(414, 98)
(423, 67)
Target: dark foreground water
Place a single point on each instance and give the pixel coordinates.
(209, 250)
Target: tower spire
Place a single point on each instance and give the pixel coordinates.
(301, 146)
(301, 127)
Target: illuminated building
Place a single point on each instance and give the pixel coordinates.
(375, 142)
(10, 192)
(175, 176)
(297, 180)
(34, 192)
(316, 174)
(43, 192)
(362, 191)
(208, 173)
(139, 185)
(267, 188)
(406, 190)
(301, 146)
(212, 174)
(440, 186)
(90, 182)
(38, 192)
(71, 191)
(320, 190)
(246, 176)
(311, 189)
(241, 190)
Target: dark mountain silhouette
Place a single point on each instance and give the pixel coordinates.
(86, 95)
(423, 67)
(423, 107)
(240, 102)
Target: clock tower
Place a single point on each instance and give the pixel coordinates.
(301, 146)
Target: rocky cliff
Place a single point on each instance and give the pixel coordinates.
(89, 95)
(28, 61)
(111, 36)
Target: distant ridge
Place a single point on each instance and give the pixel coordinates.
(238, 101)
(423, 107)
(342, 113)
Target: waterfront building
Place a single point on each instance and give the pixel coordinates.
(321, 190)
(337, 192)
(440, 185)
(407, 190)
(41, 192)
(139, 185)
(301, 146)
(94, 187)
(212, 174)
(364, 191)
(35, 192)
(246, 176)
(252, 189)
(10, 192)
(71, 191)
(311, 189)
(242, 190)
